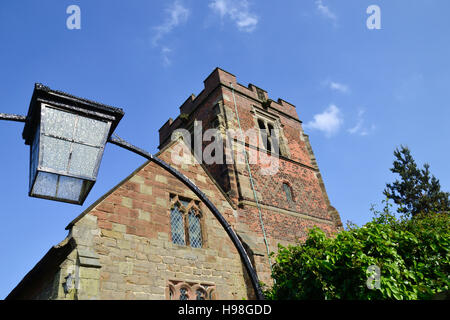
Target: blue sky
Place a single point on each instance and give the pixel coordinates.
(360, 93)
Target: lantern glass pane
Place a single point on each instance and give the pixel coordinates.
(69, 188)
(84, 160)
(59, 123)
(65, 154)
(45, 184)
(195, 230)
(34, 156)
(90, 131)
(55, 153)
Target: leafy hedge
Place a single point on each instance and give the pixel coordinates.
(413, 256)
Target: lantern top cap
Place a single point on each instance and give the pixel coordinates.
(68, 102)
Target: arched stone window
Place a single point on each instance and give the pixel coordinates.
(170, 291)
(195, 229)
(183, 290)
(211, 293)
(177, 225)
(288, 191)
(184, 293)
(186, 223)
(271, 132)
(200, 294)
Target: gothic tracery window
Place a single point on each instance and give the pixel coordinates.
(200, 294)
(269, 135)
(177, 225)
(184, 290)
(186, 223)
(184, 294)
(288, 191)
(195, 229)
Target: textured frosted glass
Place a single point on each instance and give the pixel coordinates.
(45, 184)
(69, 188)
(59, 123)
(34, 157)
(177, 226)
(84, 160)
(55, 153)
(90, 131)
(195, 230)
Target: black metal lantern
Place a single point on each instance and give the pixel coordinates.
(67, 137)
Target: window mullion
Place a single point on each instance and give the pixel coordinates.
(186, 229)
(269, 137)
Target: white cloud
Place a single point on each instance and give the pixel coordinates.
(339, 87)
(176, 15)
(236, 10)
(357, 128)
(325, 11)
(165, 51)
(360, 128)
(329, 121)
(336, 86)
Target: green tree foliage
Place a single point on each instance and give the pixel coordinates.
(411, 253)
(413, 257)
(417, 191)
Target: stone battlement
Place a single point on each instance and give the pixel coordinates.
(220, 77)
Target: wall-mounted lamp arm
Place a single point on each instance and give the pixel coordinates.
(12, 117)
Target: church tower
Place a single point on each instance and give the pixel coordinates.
(268, 168)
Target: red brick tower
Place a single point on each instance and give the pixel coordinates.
(276, 202)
